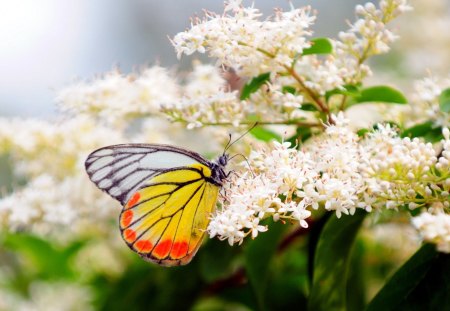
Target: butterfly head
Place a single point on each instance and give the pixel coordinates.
(223, 160)
(218, 169)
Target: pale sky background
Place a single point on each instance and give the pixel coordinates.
(47, 44)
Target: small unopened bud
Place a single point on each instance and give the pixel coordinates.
(412, 205)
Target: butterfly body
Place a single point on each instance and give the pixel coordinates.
(167, 194)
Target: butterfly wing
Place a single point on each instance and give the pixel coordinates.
(120, 169)
(166, 196)
(165, 220)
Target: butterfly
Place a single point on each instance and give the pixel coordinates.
(167, 193)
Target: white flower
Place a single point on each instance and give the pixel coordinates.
(115, 98)
(366, 37)
(434, 228)
(203, 80)
(241, 41)
(425, 102)
(233, 5)
(251, 198)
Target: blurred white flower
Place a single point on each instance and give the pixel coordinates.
(58, 296)
(58, 197)
(203, 80)
(420, 54)
(434, 228)
(425, 102)
(115, 98)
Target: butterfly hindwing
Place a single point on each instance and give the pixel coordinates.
(165, 220)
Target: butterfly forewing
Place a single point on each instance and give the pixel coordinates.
(120, 169)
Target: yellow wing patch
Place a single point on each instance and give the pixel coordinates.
(165, 219)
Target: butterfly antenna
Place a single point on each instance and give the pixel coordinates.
(246, 132)
(246, 160)
(228, 143)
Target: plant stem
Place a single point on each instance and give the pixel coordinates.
(287, 122)
(321, 105)
(343, 102)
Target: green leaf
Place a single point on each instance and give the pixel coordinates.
(331, 262)
(289, 89)
(362, 132)
(348, 90)
(309, 107)
(47, 260)
(427, 130)
(258, 257)
(444, 100)
(254, 85)
(422, 283)
(319, 46)
(356, 283)
(264, 134)
(418, 130)
(381, 93)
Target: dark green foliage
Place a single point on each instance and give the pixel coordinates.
(422, 283)
(331, 263)
(259, 255)
(428, 130)
(47, 260)
(254, 84)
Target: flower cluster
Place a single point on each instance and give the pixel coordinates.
(207, 100)
(425, 102)
(51, 158)
(219, 108)
(367, 36)
(235, 37)
(240, 40)
(434, 228)
(48, 296)
(337, 171)
(116, 98)
(252, 197)
(407, 170)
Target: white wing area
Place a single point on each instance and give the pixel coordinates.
(119, 170)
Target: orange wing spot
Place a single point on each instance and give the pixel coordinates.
(134, 199)
(143, 246)
(129, 235)
(126, 218)
(179, 249)
(163, 248)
